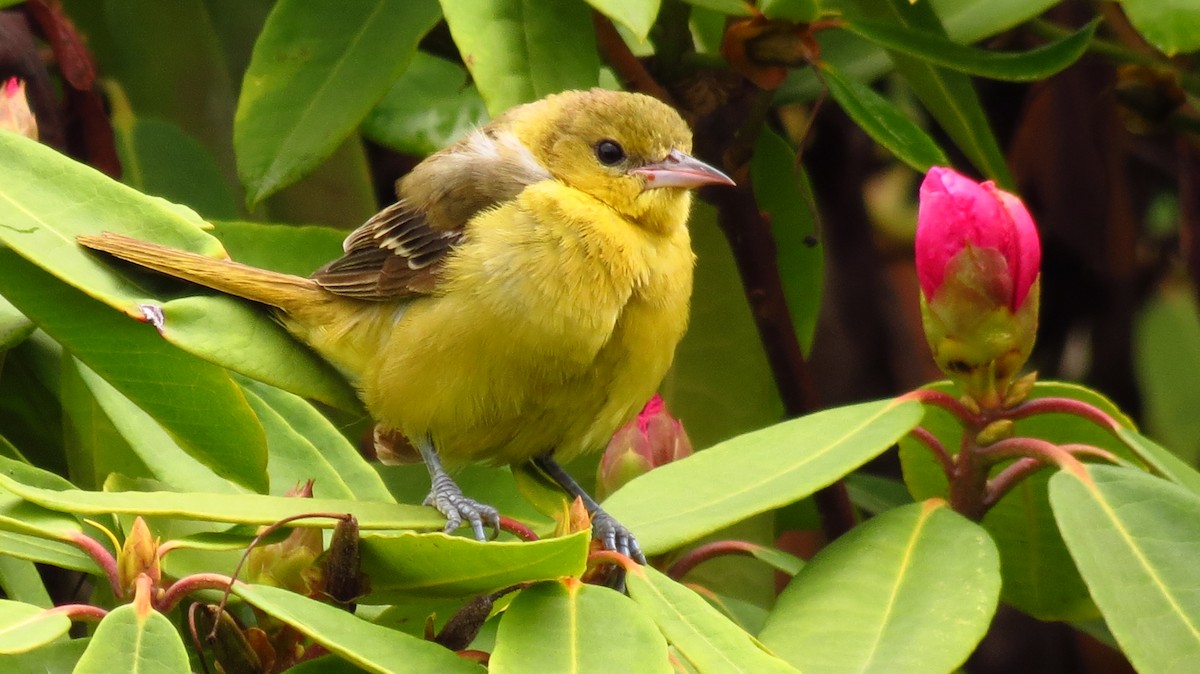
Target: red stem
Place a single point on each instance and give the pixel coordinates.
(189, 584)
(936, 447)
(703, 553)
(517, 529)
(104, 558)
(78, 611)
(1056, 405)
(946, 402)
(1010, 477)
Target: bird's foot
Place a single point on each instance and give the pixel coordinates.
(449, 500)
(614, 536)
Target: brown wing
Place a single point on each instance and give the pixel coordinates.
(400, 251)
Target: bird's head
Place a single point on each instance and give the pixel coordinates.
(628, 150)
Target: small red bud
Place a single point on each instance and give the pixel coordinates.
(652, 439)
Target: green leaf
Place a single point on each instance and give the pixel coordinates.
(24, 627)
(234, 508)
(553, 627)
(1161, 460)
(782, 191)
(876, 494)
(291, 249)
(707, 639)
(1173, 26)
(636, 15)
(59, 656)
(883, 122)
(47, 199)
(374, 648)
(727, 7)
(179, 391)
(1039, 577)
(522, 50)
(720, 384)
(1167, 344)
(1035, 64)
(429, 107)
(796, 11)
(1135, 538)
(436, 565)
(304, 445)
(756, 472)
(912, 590)
(14, 327)
(20, 580)
(316, 70)
(133, 638)
(948, 96)
(158, 158)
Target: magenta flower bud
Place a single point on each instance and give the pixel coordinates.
(15, 114)
(978, 261)
(653, 439)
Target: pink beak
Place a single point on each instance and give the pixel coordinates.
(681, 170)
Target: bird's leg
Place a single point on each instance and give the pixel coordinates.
(448, 498)
(605, 527)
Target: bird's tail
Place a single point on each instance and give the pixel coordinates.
(285, 291)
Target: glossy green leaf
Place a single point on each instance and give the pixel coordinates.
(436, 565)
(553, 627)
(304, 445)
(519, 50)
(14, 327)
(876, 494)
(44, 551)
(636, 15)
(20, 580)
(429, 107)
(883, 121)
(47, 199)
(135, 431)
(234, 508)
(781, 189)
(181, 392)
(136, 639)
(24, 627)
(374, 648)
(720, 384)
(707, 639)
(1135, 538)
(1173, 26)
(291, 249)
(949, 96)
(59, 656)
(317, 69)
(796, 11)
(1035, 64)
(756, 472)
(1039, 577)
(1167, 344)
(159, 158)
(1162, 461)
(912, 590)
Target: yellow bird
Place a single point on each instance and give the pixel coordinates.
(521, 300)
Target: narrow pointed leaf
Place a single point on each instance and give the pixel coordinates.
(436, 565)
(24, 627)
(883, 121)
(1028, 66)
(1161, 460)
(705, 637)
(756, 472)
(136, 640)
(949, 96)
(912, 590)
(636, 15)
(374, 648)
(14, 327)
(1135, 538)
(552, 627)
(233, 508)
(316, 70)
(304, 445)
(519, 51)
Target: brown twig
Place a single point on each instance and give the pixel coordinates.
(616, 53)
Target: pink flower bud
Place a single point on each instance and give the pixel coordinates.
(956, 212)
(653, 439)
(15, 114)
(978, 261)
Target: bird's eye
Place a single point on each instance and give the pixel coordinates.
(609, 152)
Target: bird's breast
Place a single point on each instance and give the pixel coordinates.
(555, 322)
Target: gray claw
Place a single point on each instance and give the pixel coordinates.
(615, 536)
(450, 501)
